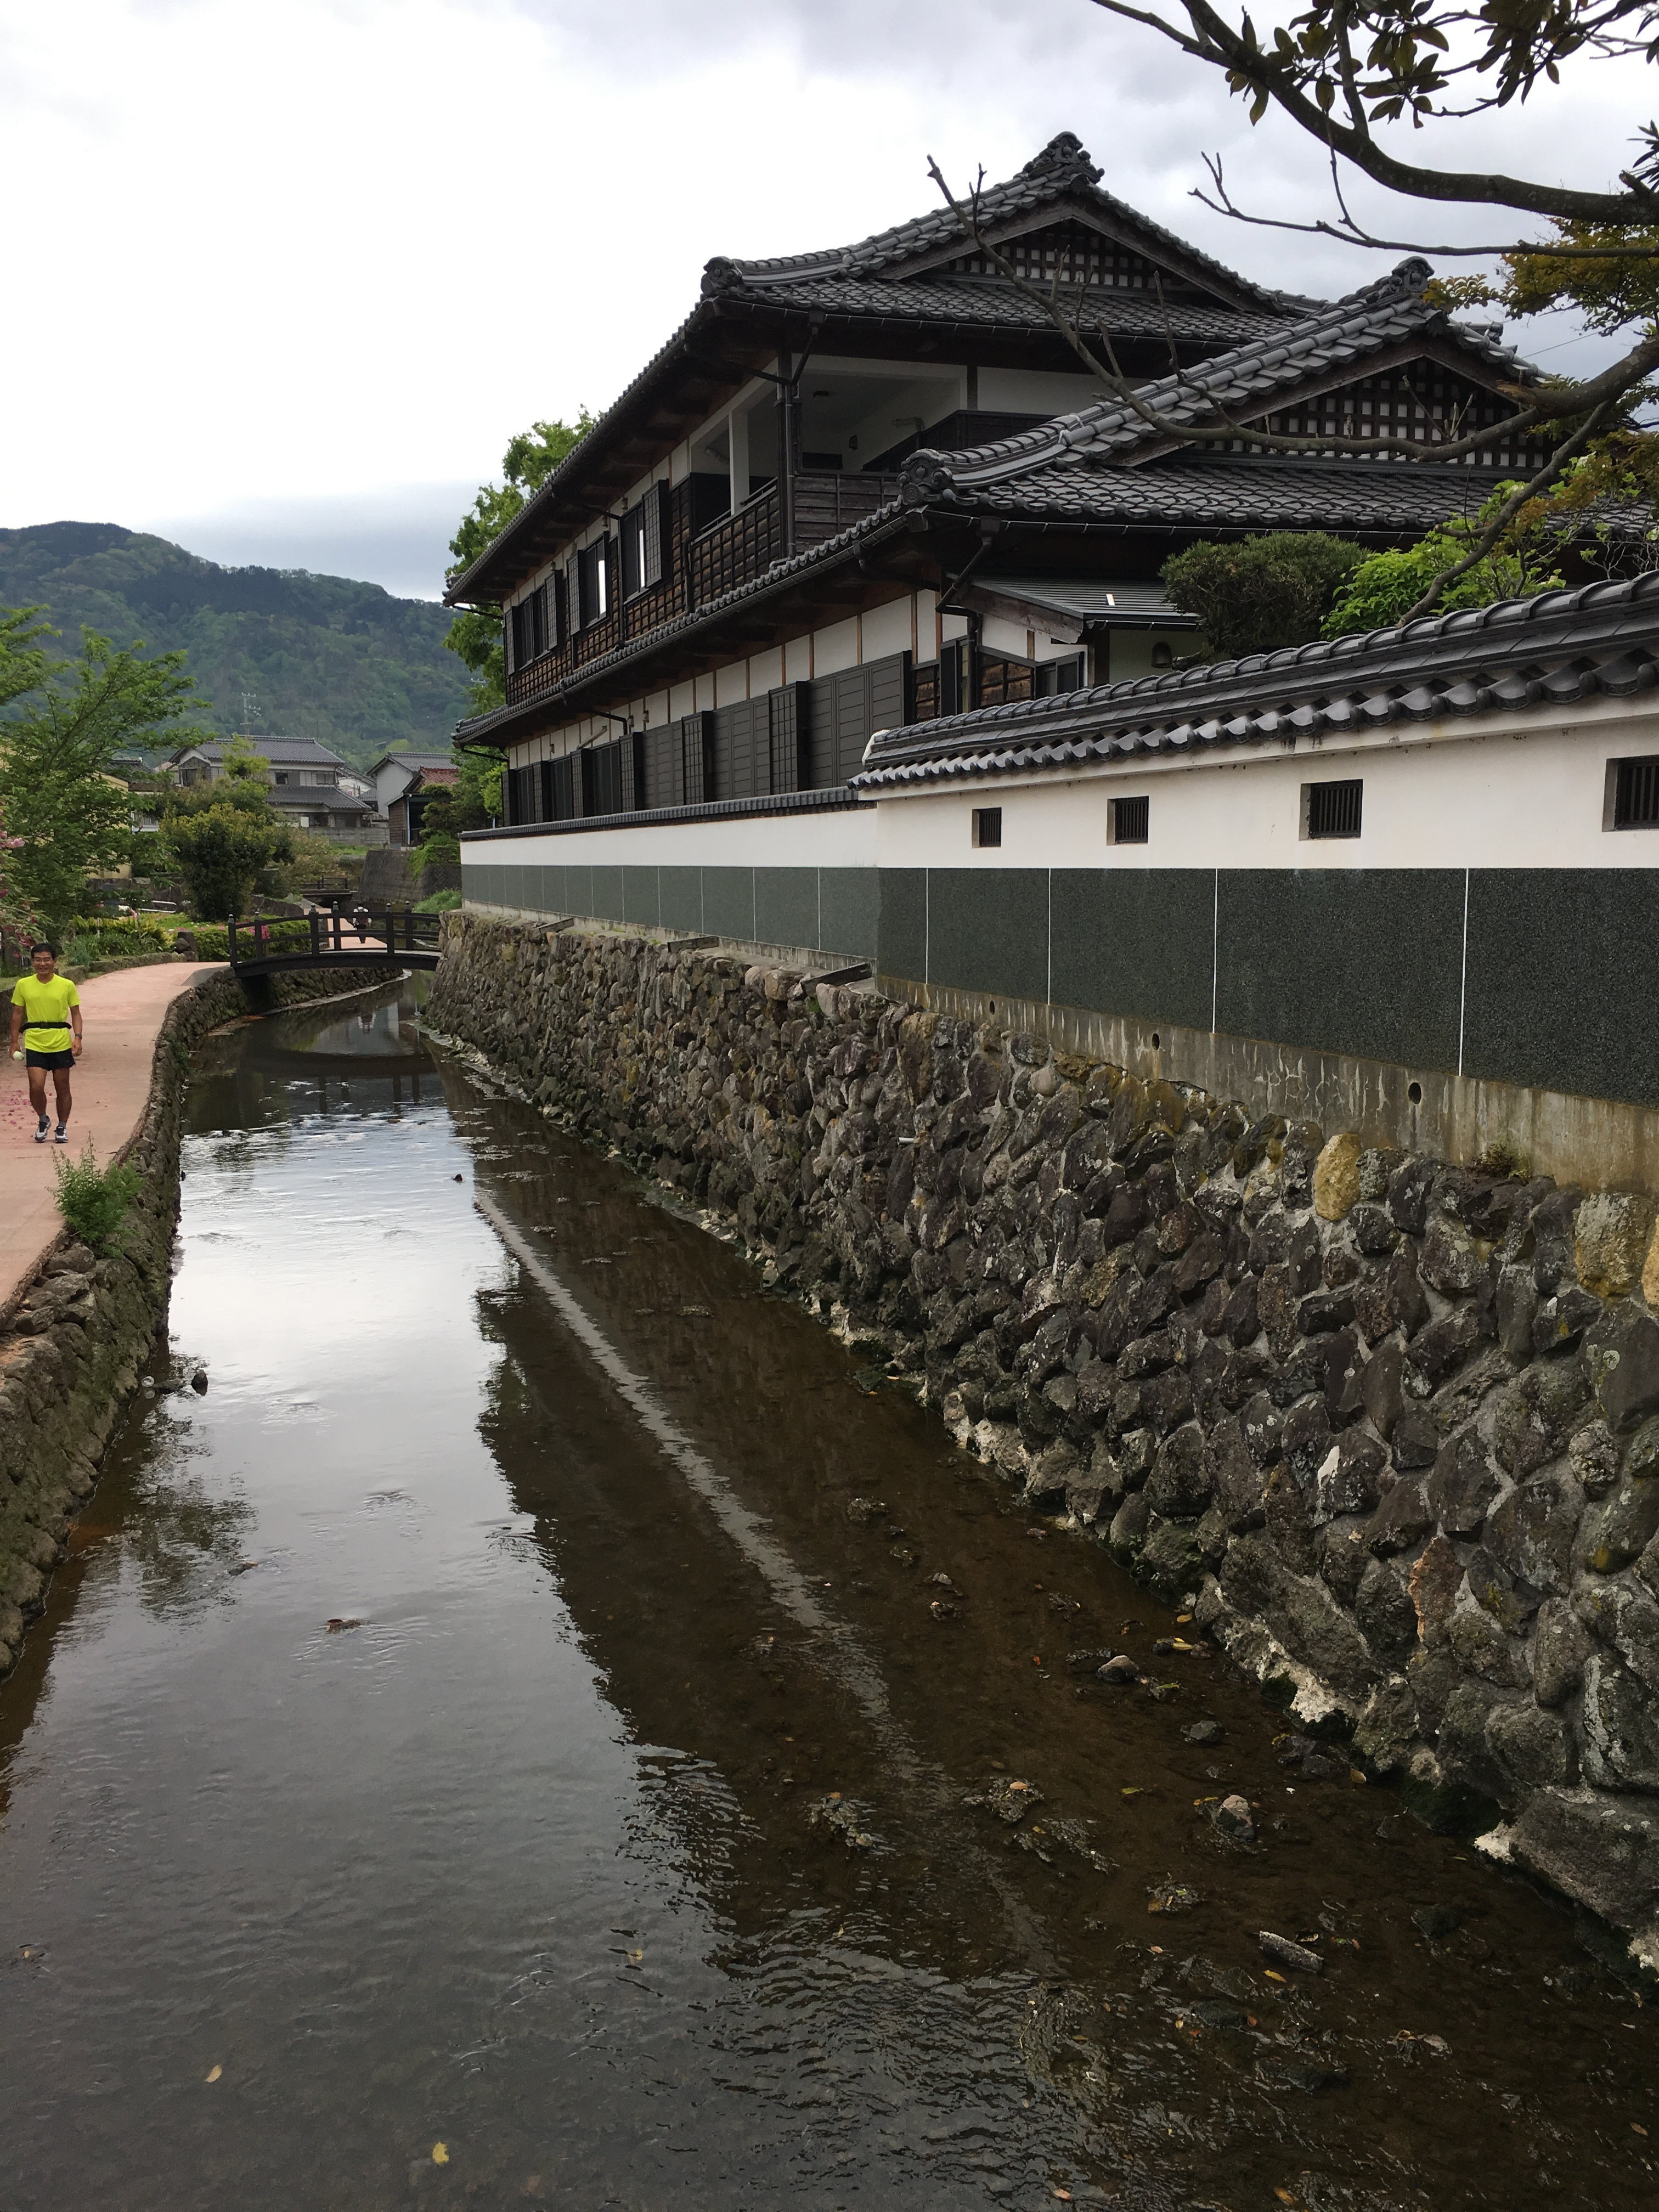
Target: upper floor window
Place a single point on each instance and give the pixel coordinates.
(592, 580)
(643, 532)
(533, 627)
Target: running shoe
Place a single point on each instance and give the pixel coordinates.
(61, 1133)
(44, 1129)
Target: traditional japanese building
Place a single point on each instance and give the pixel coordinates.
(862, 488)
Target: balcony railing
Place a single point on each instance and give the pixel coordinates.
(740, 547)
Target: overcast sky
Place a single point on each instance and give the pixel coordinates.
(285, 278)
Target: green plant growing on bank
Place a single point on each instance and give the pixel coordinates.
(94, 1200)
(1263, 593)
(440, 903)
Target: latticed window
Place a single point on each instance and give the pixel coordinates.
(1082, 255)
(1636, 794)
(1333, 809)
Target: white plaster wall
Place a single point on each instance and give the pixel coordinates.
(834, 647)
(1131, 652)
(844, 837)
(1522, 794)
(765, 671)
(732, 684)
(886, 629)
(797, 661)
(1035, 391)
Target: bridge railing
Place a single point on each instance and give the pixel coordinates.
(379, 932)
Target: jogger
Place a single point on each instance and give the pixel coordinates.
(46, 1013)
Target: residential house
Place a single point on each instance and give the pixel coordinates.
(306, 785)
(407, 810)
(395, 775)
(870, 486)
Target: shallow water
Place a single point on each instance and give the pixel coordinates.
(510, 1889)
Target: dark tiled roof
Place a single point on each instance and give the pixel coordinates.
(1243, 382)
(1553, 650)
(299, 752)
(993, 302)
(1243, 492)
(1061, 172)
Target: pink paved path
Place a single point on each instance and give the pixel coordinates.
(120, 1015)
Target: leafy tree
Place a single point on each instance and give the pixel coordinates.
(221, 836)
(219, 849)
(474, 802)
(1260, 593)
(67, 721)
(1337, 71)
(1390, 586)
(529, 460)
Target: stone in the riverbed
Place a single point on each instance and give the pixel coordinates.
(1205, 1732)
(1435, 1922)
(1234, 1820)
(199, 1382)
(1010, 1800)
(1121, 1671)
(838, 1817)
(1282, 1950)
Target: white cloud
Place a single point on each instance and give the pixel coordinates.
(297, 263)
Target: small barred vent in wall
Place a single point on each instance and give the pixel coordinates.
(1636, 801)
(1130, 821)
(1333, 809)
(988, 826)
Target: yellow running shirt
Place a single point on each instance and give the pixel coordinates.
(45, 1002)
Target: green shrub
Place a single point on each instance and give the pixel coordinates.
(213, 939)
(94, 1200)
(440, 903)
(120, 937)
(1262, 594)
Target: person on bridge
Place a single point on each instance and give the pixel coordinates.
(46, 1009)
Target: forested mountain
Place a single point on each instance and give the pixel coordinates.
(319, 656)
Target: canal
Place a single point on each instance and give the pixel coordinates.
(543, 1725)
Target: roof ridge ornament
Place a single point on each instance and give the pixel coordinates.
(1404, 281)
(1064, 151)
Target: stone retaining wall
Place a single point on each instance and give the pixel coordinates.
(1392, 1425)
(73, 1336)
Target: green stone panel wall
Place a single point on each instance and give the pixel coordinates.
(850, 912)
(1134, 941)
(606, 894)
(642, 901)
(679, 891)
(578, 889)
(1557, 995)
(1367, 961)
(786, 906)
(902, 928)
(728, 902)
(987, 930)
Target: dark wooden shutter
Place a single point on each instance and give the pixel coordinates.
(698, 780)
(508, 660)
(655, 520)
(564, 790)
(633, 575)
(660, 751)
(788, 722)
(558, 621)
(573, 593)
(631, 752)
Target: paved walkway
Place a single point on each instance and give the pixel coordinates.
(120, 1016)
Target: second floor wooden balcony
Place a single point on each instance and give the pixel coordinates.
(702, 566)
(743, 546)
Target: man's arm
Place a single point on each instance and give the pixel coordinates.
(16, 1025)
(74, 1023)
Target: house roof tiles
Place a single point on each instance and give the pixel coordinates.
(1556, 649)
(1243, 381)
